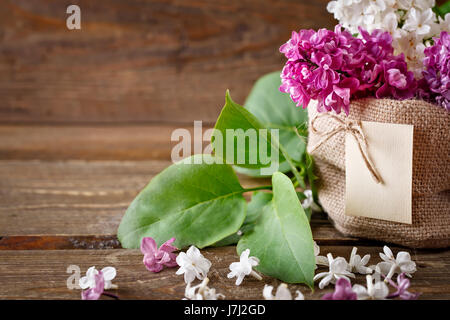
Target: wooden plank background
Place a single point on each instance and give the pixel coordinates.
(136, 60)
(86, 119)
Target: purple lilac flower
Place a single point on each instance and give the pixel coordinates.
(342, 291)
(402, 286)
(95, 292)
(333, 67)
(398, 82)
(156, 259)
(435, 85)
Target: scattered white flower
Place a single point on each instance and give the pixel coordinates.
(244, 267)
(391, 265)
(338, 269)
(358, 264)
(377, 291)
(88, 281)
(308, 202)
(320, 260)
(282, 293)
(193, 264)
(201, 292)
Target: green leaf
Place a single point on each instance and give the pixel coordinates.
(258, 201)
(443, 9)
(198, 204)
(276, 110)
(254, 208)
(235, 118)
(234, 125)
(282, 238)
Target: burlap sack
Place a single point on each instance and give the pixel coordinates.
(431, 172)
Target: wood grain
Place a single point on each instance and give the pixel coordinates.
(42, 274)
(140, 60)
(85, 198)
(92, 142)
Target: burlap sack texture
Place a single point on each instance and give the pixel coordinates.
(431, 173)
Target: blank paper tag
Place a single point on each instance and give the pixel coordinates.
(390, 148)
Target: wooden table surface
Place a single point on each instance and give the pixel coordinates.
(64, 210)
(85, 122)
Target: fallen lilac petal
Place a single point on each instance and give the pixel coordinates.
(95, 292)
(342, 291)
(156, 259)
(402, 286)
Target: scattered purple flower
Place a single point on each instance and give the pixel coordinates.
(402, 286)
(89, 281)
(156, 259)
(342, 291)
(94, 292)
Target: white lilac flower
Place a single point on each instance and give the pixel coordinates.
(419, 22)
(282, 293)
(88, 281)
(320, 260)
(412, 24)
(244, 267)
(201, 292)
(445, 23)
(308, 202)
(417, 4)
(391, 265)
(358, 264)
(193, 264)
(338, 269)
(374, 291)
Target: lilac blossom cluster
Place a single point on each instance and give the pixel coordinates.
(435, 85)
(333, 67)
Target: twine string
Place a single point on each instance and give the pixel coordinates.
(348, 126)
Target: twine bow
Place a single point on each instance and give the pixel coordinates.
(348, 126)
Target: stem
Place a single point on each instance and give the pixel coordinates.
(258, 188)
(293, 167)
(110, 295)
(255, 275)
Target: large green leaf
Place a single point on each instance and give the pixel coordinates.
(276, 110)
(254, 209)
(198, 204)
(234, 118)
(282, 238)
(236, 138)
